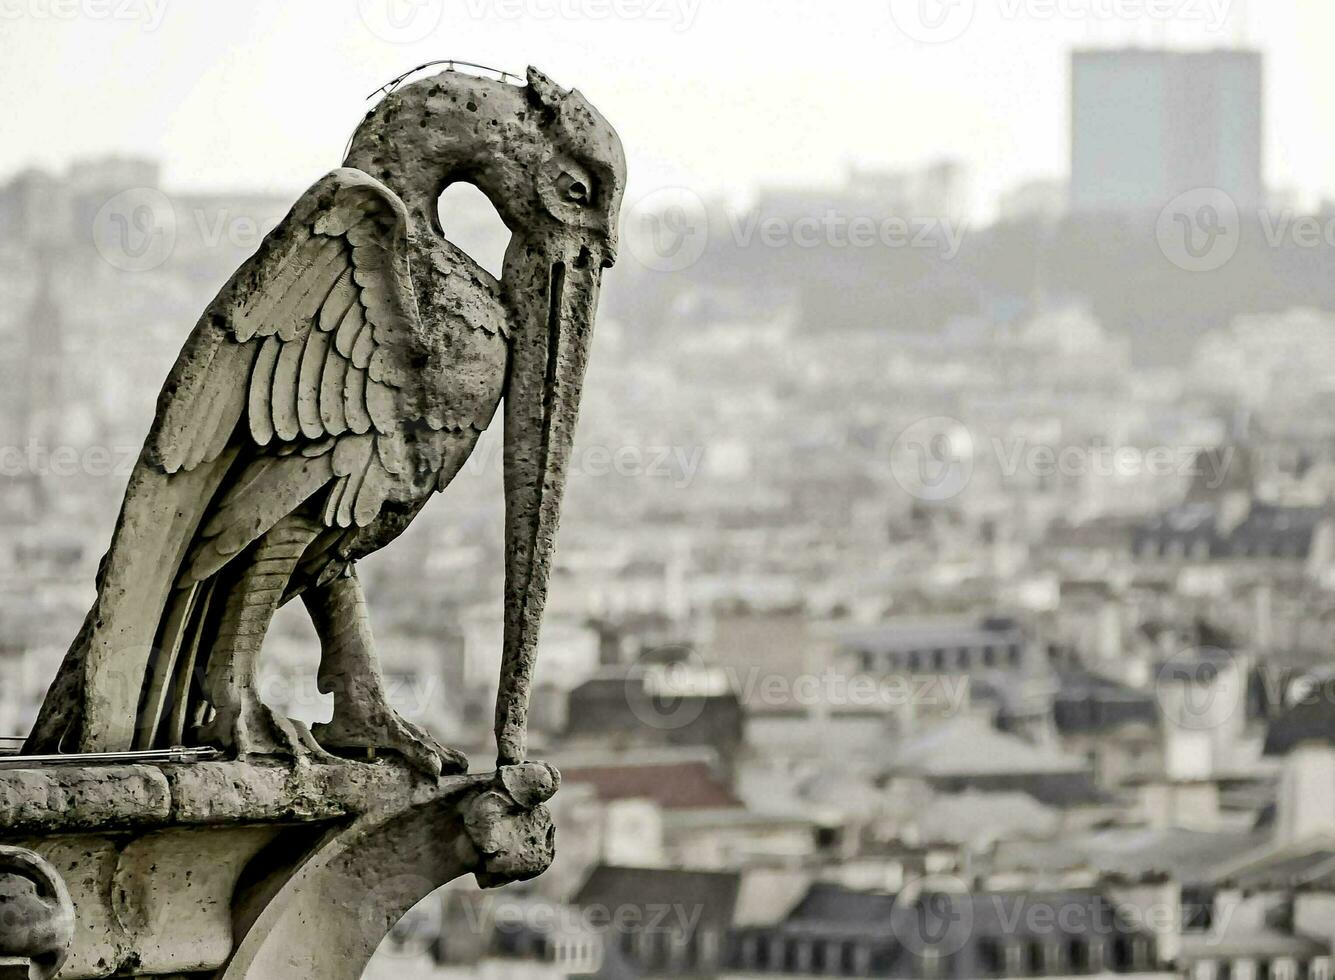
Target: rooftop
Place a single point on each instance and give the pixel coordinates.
(672, 785)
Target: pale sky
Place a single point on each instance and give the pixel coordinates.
(721, 96)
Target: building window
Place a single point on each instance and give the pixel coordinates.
(1014, 957)
(1033, 962)
(1197, 906)
(1077, 955)
(819, 957)
(991, 957)
(663, 945)
(760, 954)
(848, 960)
(1121, 954)
(792, 959)
(706, 947)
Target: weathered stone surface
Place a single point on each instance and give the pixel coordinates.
(36, 916)
(362, 881)
(57, 799)
(260, 871)
(72, 798)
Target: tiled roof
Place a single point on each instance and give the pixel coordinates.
(948, 631)
(972, 816)
(1087, 702)
(1307, 865)
(673, 786)
(968, 745)
(1311, 720)
(708, 898)
(1268, 531)
(1259, 943)
(1193, 856)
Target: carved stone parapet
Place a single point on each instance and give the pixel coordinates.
(235, 870)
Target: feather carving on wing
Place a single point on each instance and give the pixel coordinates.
(309, 366)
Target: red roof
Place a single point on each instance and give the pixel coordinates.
(673, 786)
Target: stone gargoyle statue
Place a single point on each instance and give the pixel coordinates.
(341, 378)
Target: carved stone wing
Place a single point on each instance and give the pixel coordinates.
(306, 363)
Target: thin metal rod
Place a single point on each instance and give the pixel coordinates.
(451, 64)
(108, 758)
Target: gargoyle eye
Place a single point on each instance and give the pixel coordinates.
(574, 189)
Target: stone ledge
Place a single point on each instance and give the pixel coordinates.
(235, 870)
(70, 798)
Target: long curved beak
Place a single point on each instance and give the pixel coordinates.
(557, 287)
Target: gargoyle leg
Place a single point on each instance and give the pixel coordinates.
(349, 670)
(242, 722)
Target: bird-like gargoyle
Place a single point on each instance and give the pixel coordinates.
(341, 378)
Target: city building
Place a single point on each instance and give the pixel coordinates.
(1148, 125)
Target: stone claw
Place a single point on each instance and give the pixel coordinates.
(391, 733)
(252, 730)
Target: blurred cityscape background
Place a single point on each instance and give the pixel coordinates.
(938, 595)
